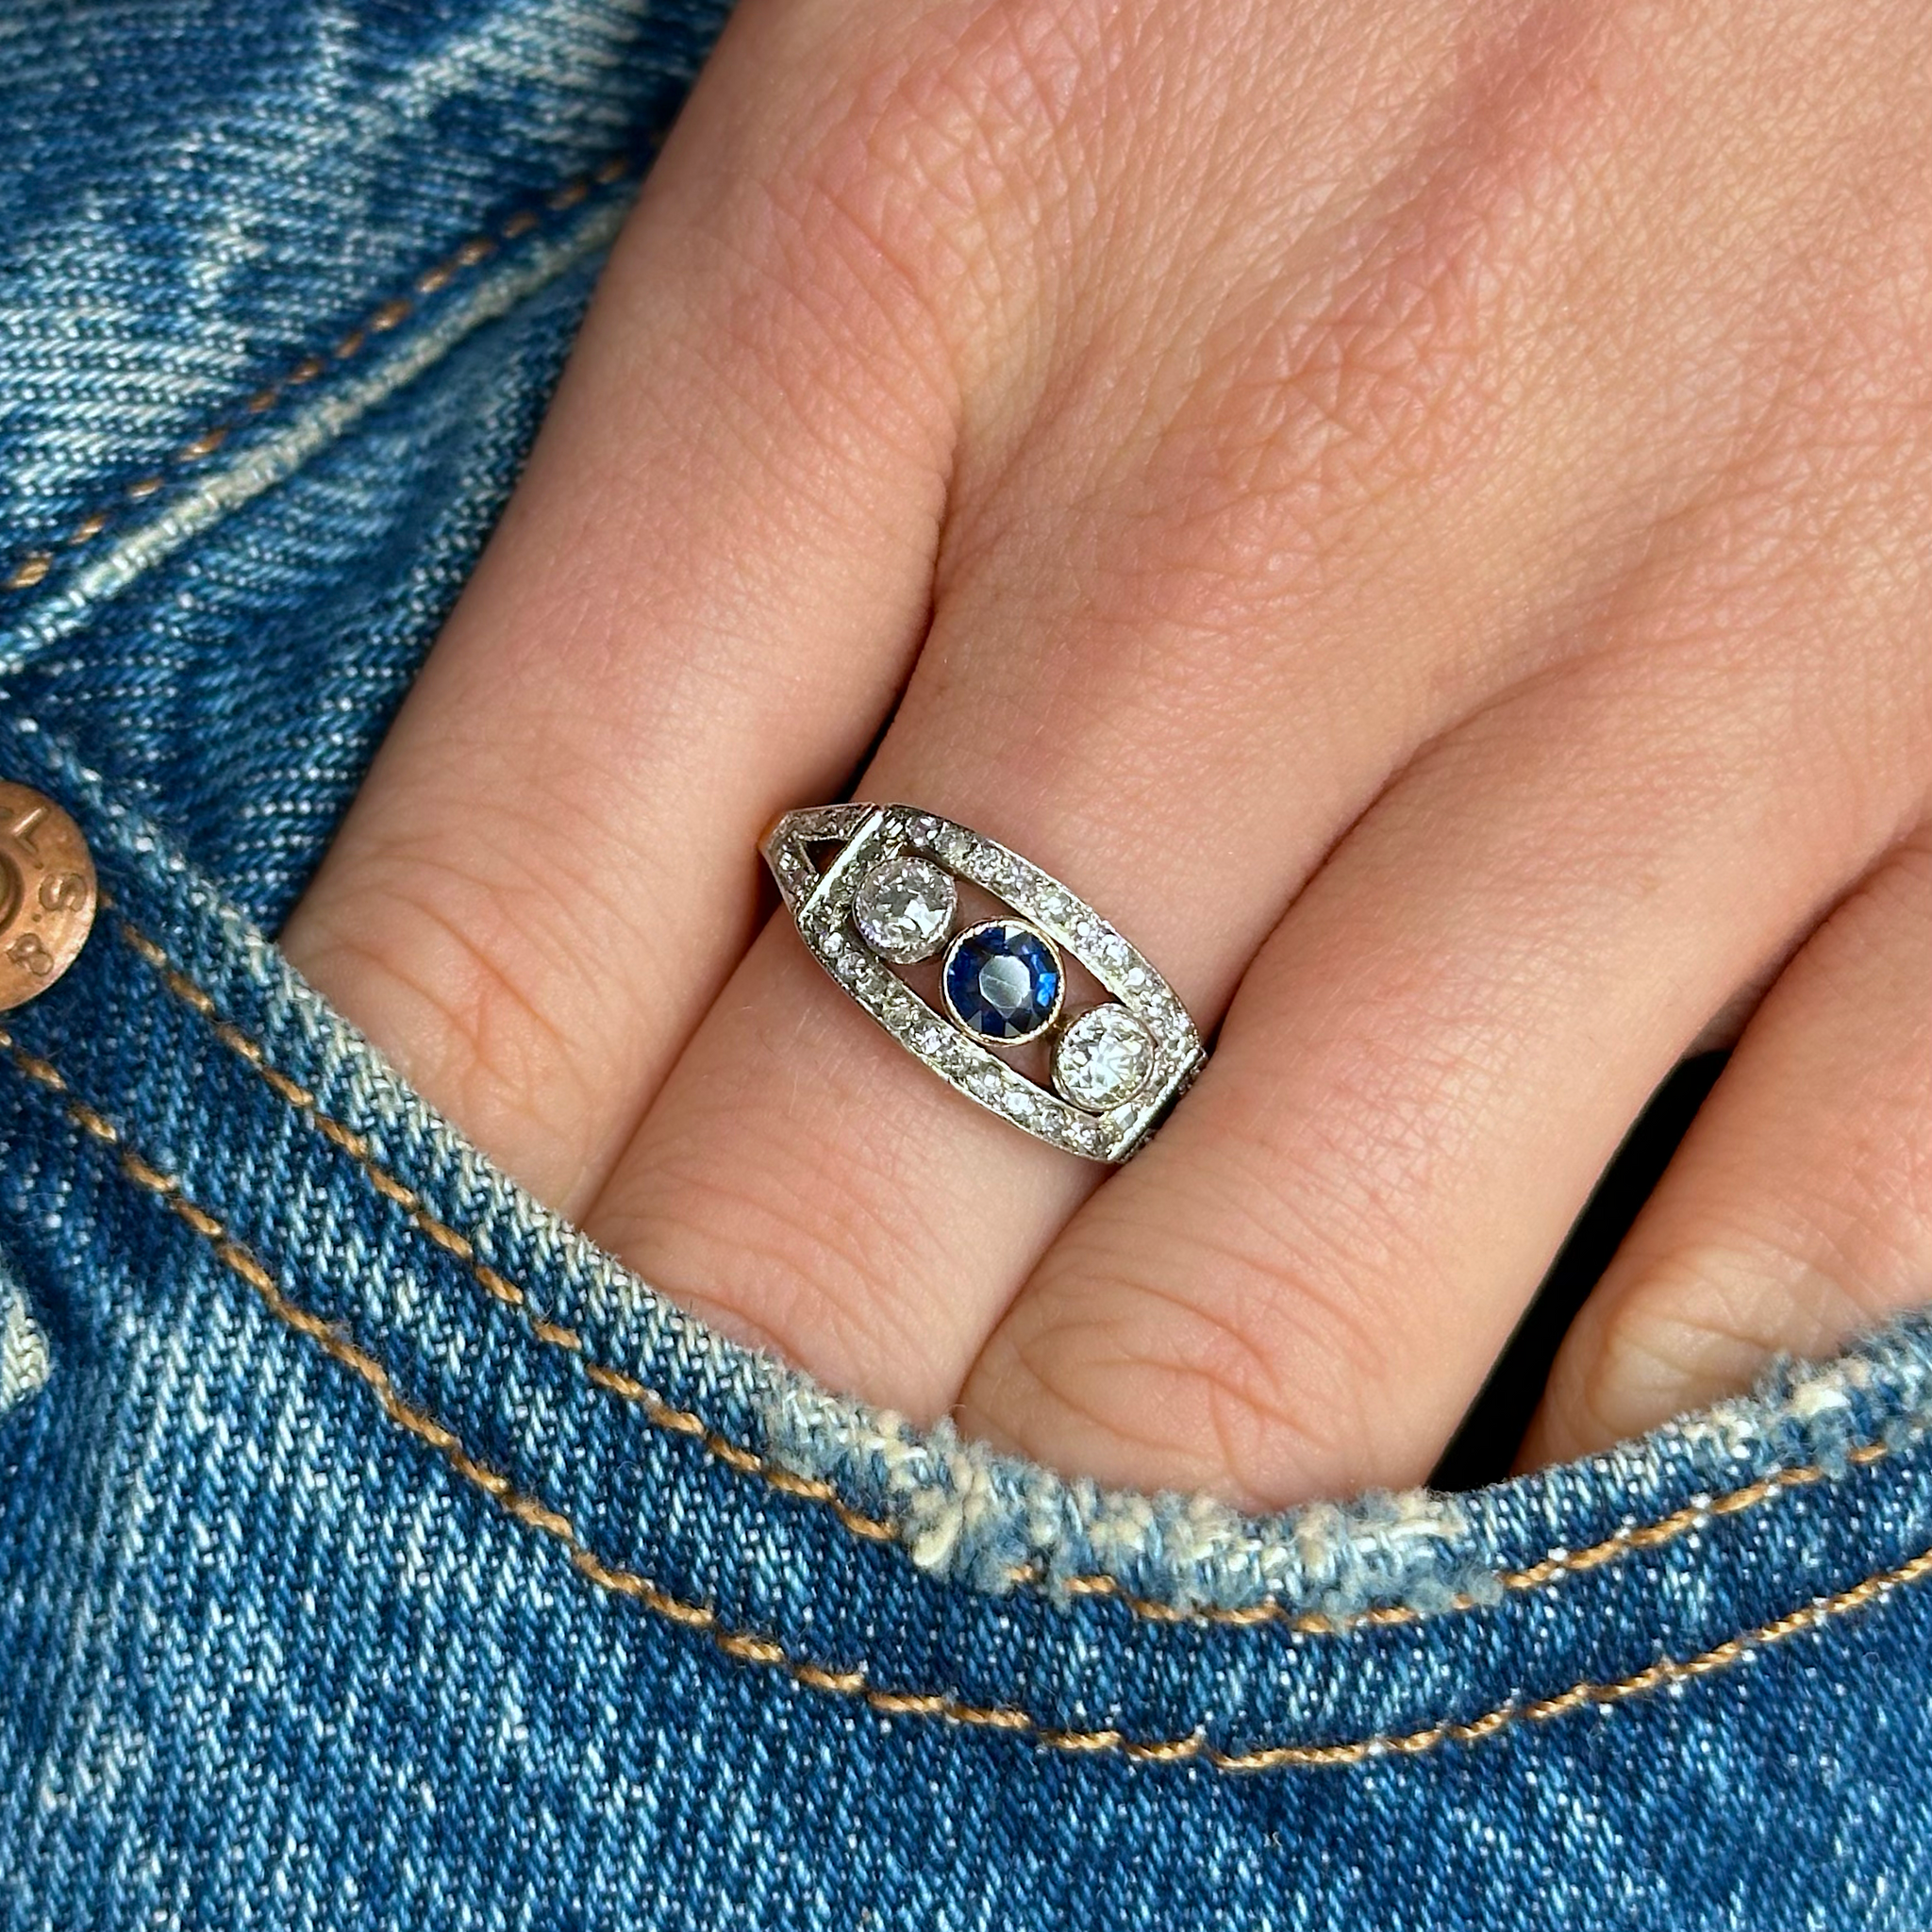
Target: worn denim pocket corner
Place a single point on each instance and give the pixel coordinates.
(26, 1357)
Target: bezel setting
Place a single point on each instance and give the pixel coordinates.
(1075, 1057)
(821, 904)
(1025, 927)
(895, 938)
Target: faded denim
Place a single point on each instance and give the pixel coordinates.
(374, 1552)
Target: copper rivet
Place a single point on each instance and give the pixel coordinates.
(47, 894)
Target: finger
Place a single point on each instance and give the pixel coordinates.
(1300, 1286)
(1799, 1207)
(804, 1181)
(696, 610)
(1147, 671)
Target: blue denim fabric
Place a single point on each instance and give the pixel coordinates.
(374, 1552)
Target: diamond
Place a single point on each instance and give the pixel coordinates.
(903, 907)
(1104, 1058)
(1003, 981)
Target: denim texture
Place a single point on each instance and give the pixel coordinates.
(374, 1552)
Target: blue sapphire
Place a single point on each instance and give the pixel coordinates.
(1002, 981)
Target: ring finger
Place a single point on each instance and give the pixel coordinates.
(1197, 736)
(1214, 507)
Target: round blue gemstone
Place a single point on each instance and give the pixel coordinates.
(1003, 981)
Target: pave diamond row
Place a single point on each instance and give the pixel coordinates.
(1105, 953)
(823, 907)
(973, 1068)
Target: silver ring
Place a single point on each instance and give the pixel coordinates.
(887, 898)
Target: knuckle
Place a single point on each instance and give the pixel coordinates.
(1175, 1400)
(1698, 1328)
(928, 160)
(794, 1207)
(452, 965)
(1385, 365)
(1703, 1323)
(785, 1264)
(1254, 1380)
(1316, 423)
(965, 107)
(873, 230)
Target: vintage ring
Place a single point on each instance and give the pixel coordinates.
(888, 898)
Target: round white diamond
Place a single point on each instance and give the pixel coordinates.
(903, 907)
(1103, 1059)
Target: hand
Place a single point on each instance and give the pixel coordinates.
(1419, 514)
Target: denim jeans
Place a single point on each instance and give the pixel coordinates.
(377, 1552)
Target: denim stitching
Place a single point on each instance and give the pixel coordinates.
(658, 1412)
(1552, 1569)
(1544, 1574)
(37, 565)
(748, 1647)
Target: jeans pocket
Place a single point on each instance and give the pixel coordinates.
(391, 1482)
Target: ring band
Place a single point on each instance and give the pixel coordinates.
(888, 899)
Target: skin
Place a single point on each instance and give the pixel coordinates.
(1419, 512)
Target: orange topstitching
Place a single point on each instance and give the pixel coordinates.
(391, 313)
(661, 1414)
(855, 1681)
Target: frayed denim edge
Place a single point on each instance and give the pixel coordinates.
(25, 1361)
(968, 1514)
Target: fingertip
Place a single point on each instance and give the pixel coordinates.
(1799, 1208)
